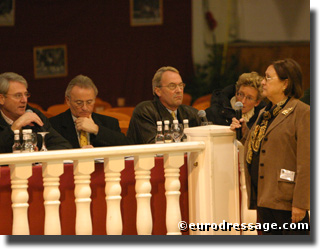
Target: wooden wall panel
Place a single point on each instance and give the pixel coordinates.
(258, 56)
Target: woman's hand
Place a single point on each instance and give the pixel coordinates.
(297, 214)
(238, 124)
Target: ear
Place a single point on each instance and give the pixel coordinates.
(285, 83)
(157, 91)
(1, 99)
(68, 101)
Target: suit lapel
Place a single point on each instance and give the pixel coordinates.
(284, 113)
(3, 122)
(70, 130)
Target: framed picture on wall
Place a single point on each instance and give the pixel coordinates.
(50, 61)
(146, 12)
(7, 9)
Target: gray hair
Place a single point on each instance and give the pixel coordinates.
(82, 82)
(252, 79)
(7, 77)
(156, 81)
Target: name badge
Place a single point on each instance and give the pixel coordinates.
(287, 175)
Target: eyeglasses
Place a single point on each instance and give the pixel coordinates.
(249, 98)
(80, 104)
(173, 86)
(268, 78)
(18, 96)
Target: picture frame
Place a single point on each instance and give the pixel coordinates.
(146, 12)
(7, 12)
(50, 61)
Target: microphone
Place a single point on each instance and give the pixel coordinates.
(238, 108)
(202, 114)
(35, 124)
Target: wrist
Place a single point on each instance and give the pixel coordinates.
(96, 130)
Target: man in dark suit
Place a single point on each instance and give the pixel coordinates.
(167, 104)
(79, 125)
(13, 116)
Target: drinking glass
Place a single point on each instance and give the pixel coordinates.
(43, 134)
(177, 132)
(34, 140)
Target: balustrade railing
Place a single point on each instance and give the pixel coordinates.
(83, 165)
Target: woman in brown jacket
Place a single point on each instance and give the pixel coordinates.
(277, 151)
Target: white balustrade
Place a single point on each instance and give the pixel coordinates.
(82, 192)
(172, 165)
(213, 179)
(142, 166)
(51, 195)
(83, 160)
(112, 169)
(19, 183)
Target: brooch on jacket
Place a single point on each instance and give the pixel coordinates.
(287, 111)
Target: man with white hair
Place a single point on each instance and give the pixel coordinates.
(13, 116)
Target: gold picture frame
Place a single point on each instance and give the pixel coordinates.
(146, 12)
(50, 61)
(7, 12)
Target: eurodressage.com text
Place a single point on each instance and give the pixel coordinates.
(225, 226)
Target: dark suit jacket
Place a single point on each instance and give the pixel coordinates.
(143, 123)
(109, 131)
(53, 139)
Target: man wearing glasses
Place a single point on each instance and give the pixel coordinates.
(247, 90)
(167, 105)
(80, 125)
(13, 116)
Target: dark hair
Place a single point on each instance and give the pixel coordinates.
(291, 70)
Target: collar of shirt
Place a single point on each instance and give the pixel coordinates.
(175, 112)
(7, 119)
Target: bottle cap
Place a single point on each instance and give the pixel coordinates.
(159, 122)
(26, 131)
(166, 122)
(185, 121)
(16, 131)
(175, 121)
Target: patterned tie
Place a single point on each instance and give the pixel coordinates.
(174, 115)
(83, 138)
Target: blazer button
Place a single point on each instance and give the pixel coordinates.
(262, 164)
(265, 138)
(261, 177)
(263, 151)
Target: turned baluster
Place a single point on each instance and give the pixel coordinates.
(51, 172)
(142, 167)
(19, 196)
(112, 169)
(172, 164)
(82, 170)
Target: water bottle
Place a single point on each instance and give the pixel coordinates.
(185, 125)
(16, 147)
(167, 132)
(27, 145)
(159, 137)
